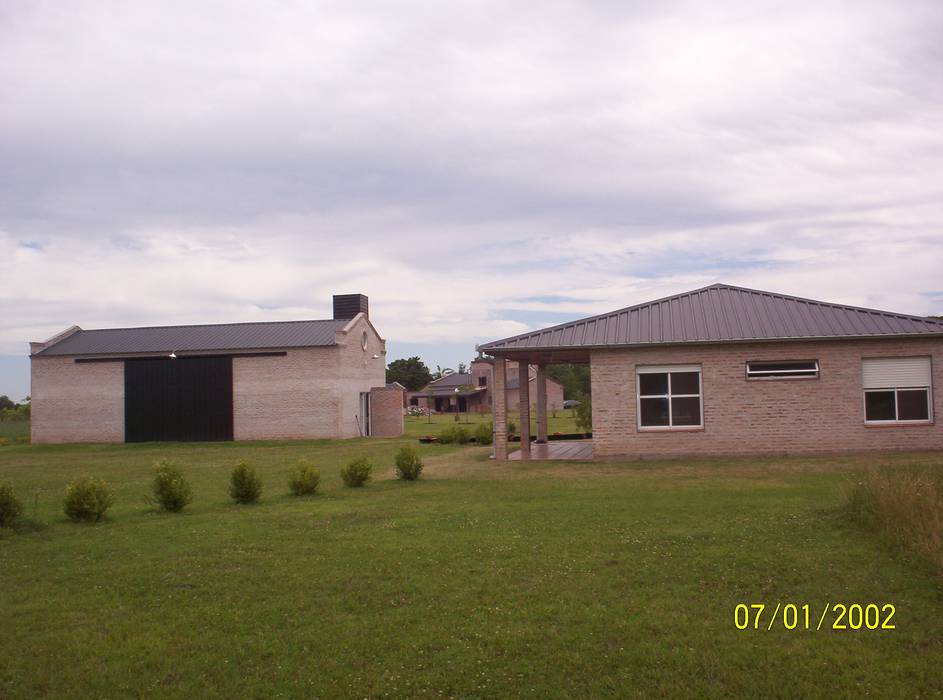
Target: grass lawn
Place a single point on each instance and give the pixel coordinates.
(482, 580)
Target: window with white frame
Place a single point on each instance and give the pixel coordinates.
(782, 369)
(669, 397)
(897, 390)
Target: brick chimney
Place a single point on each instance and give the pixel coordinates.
(346, 306)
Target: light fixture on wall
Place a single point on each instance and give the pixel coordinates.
(376, 357)
(173, 356)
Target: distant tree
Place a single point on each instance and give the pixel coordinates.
(462, 368)
(574, 378)
(412, 373)
(584, 414)
(6, 402)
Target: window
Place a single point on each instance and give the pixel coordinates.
(896, 390)
(363, 341)
(783, 369)
(483, 380)
(669, 397)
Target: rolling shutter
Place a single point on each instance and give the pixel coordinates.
(890, 372)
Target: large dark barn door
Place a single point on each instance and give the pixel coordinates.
(186, 399)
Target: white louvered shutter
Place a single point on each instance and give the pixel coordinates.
(891, 372)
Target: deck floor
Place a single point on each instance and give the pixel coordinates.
(564, 449)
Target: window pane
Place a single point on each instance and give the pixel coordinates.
(652, 384)
(913, 404)
(654, 412)
(685, 383)
(879, 405)
(686, 411)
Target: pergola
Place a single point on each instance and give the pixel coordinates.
(525, 357)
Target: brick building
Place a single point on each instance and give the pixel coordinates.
(727, 370)
(461, 392)
(239, 381)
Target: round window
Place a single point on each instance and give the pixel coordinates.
(363, 341)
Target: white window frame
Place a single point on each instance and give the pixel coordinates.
(770, 375)
(668, 369)
(896, 420)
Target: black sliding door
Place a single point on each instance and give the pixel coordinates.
(186, 399)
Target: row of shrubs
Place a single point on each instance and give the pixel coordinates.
(88, 499)
(19, 440)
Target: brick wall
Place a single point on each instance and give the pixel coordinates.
(76, 402)
(761, 416)
(289, 397)
(386, 410)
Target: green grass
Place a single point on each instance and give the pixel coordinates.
(483, 579)
(562, 421)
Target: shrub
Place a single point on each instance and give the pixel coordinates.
(454, 433)
(10, 506)
(408, 464)
(484, 433)
(904, 504)
(357, 472)
(584, 414)
(4, 441)
(87, 499)
(22, 439)
(172, 492)
(512, 427)
(304, 479)
(245, 486)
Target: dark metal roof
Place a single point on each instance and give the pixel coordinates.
(452, 380)
(220, 337)
(720, 313)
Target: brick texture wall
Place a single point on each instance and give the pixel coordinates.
(76, 402)
(761, 416)
(386, 406)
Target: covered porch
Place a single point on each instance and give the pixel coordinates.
(541, 448)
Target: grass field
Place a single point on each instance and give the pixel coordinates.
(483, 580)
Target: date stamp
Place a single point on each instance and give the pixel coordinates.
(806, 617)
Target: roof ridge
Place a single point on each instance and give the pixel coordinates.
(212, 325)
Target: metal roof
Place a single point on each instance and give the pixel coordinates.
(218, 337)
(720, 313)
(452, 379)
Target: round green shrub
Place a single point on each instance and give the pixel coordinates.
(408, 464)
(304, 479)
(245, 486)
(484, 433)
(87, 499)
(10, 506)
(357, 472)
(172, 492)
(454, 433)
(4, 441)
(512, 427)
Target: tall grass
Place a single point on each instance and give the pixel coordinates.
(903, 503)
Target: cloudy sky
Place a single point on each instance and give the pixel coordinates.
(476, 168)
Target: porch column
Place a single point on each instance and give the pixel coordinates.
(523, 373)
(541, 403)
(499, 397)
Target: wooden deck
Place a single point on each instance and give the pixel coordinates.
(575, 449)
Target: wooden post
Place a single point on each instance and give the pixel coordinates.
(523, 372)
(541, 403)
(500, 408)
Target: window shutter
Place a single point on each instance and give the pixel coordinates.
(890, 372)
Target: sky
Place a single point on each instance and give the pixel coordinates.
(478, 169)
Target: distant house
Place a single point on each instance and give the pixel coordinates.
(724, 370)
(234, 381)
(471, 391)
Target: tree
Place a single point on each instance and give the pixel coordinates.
(6, 402)
(462, 368)
(412, 373)
(574, 378)
(584, 414)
